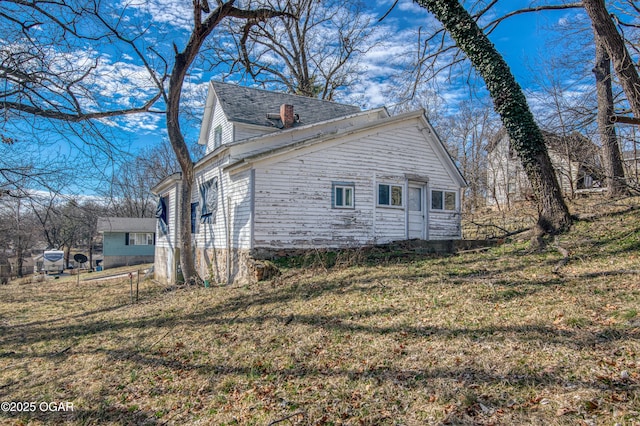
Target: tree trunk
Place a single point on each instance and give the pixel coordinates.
(605, 30)
(187, 261)
(614, 170)
(19, 259)
(511, 104)
(183, 60)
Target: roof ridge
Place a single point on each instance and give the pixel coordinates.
(282, 93)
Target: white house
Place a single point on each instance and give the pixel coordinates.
(284, 172)
(575, 159)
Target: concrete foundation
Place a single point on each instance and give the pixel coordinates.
(221, 266)
(117, 261)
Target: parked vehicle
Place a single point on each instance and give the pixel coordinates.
(53, 261)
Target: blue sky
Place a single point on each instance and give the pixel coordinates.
(526, 42)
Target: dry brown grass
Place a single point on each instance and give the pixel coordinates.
(482, 338)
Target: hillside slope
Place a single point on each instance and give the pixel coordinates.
(504, 336)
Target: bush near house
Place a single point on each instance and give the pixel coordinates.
(502, 336)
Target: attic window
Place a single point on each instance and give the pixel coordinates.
(217, 136)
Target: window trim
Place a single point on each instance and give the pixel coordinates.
(130, 238)
(442, 206)
(209, 192)
(390, 204)
(344, 186)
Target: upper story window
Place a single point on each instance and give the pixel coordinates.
(443, 200)
(389, 195)
(217, 136)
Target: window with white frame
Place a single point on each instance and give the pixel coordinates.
(389, 195)
(139, 239)
(217, 136)
(443, 200)
(343, 195)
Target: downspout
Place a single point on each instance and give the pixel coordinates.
(228, 240)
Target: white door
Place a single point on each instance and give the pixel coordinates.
(416, 212)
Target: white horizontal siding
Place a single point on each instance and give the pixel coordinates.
(232, 224)
(171, 239)
(219, 119)
(444, 225)
(293, 195)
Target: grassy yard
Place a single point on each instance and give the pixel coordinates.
(505, 336)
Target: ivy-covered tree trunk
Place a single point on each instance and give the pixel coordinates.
(613, 167)
(511, 104)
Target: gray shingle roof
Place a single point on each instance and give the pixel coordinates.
(126, 224)
(251, 106)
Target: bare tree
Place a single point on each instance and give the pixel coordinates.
(470, 132)
(18, 230)
(614, 170)
(130, 190)
(510, 103)
(316, 55)
(205, 21)
(51, 68)
(614, 44)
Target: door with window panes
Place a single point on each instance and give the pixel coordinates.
(417, 217)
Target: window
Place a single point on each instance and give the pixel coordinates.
(139, 239)
(194, 217)
(209, 201)
(343, 195)
(443, 200)
(162, 214)
(217, 136)
(415, 199)
(389, 195)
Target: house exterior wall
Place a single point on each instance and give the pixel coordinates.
(219, 119)
(117, 253)
(506, 179)
(632, 169)
(293, 207)
(167, 250)
(230, 228)
(274, 190)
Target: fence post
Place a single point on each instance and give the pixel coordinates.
(131, 286)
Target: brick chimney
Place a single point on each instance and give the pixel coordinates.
(286, 116)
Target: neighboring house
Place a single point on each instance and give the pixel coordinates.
(284, 172)
(575, 158)
(631, 161)
(127, 240)
(28, 264)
